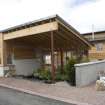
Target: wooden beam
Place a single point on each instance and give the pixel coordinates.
(68, 43)
(32, 30)
(75, 33)
(75, 40)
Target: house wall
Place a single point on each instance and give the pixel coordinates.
(23, 57)
(98, 38)
(26, 60)
(87, 73)
(23, 52)
(95, 54)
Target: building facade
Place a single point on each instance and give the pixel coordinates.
(97, 39)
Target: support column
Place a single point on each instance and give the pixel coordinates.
(87, 54)
(62, 65)
(2, 56)
(1, 50)
(52, 57)
(57, 59)
(66, 56)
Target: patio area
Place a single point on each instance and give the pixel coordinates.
(63, 90)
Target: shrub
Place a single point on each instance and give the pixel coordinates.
(46, 74)
(59, 75)
(35, 73)
(67, 75)
(41, 73)
(84, 60)
(70, 71)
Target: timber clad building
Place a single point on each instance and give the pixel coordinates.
(97, 51)
(26, 47)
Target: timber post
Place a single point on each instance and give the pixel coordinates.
(52, 57)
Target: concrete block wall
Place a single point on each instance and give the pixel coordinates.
(1, 71)
(26, 66)
(87, 73)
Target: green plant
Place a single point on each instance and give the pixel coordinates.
(84, 59)
(35, 73)
(70, 71)
(41, 73)
(59, 75)
(46, 74)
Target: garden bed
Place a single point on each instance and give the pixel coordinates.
(68, 73)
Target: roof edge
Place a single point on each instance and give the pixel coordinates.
(97, 32)
(30, 22)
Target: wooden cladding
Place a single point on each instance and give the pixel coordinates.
(24, 53)
(97, 55)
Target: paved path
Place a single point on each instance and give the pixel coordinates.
(13, 97)
(60, 90)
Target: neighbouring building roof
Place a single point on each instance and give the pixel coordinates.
(97, 32)
(98, 36)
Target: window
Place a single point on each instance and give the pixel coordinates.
(47, 59)
(99, 46)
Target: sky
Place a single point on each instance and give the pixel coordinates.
(81, 14)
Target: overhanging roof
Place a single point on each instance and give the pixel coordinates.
(65, 30)
(35, 22)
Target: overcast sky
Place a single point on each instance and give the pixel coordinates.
(81, 14)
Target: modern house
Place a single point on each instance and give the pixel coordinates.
(97, 39)
(27, 46)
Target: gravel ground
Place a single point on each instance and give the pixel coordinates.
(86, 94)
